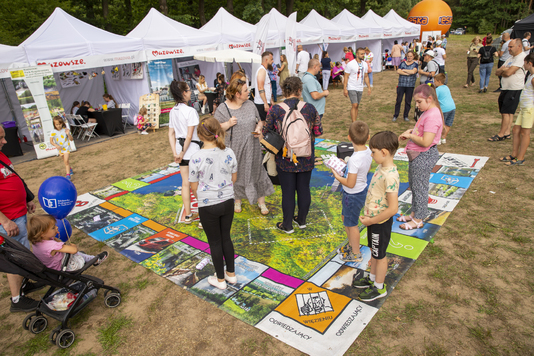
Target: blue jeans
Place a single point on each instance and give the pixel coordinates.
(274, 90)
(370, 77)
(485, 73)
(22, 237)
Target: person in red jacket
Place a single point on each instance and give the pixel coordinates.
(13, 210)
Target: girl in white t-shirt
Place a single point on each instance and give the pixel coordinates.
(59, 138)
(213, 172)
(202, 87)
(183, 122)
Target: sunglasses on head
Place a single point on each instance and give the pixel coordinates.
(239, 81)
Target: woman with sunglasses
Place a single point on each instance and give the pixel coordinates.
(241, 121)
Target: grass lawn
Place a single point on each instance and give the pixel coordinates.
(469, 293)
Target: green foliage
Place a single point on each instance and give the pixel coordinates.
(253, 12)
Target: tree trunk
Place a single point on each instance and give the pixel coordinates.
(201, 12)
(280, 6)
(289, 6)
(163, 7)
(105, 13)
(128, 8)
(263, 6)
(230, 6)
(363, 3)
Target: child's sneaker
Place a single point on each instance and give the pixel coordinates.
(71, 172)
(344, 249)
(68, 176)
(144, 133)
(443, 141)
(101, 258)
(351, 257)
(280, 226)
(361, 283)
(373, 293)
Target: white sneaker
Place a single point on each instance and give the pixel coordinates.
(443, 140)
(215, 282)
(229, 279)
(439, 142)
(144, 133)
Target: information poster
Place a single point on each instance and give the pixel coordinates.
(39, 99)
(161, 75)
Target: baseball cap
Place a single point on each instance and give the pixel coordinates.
(430, 53)
(439, 42)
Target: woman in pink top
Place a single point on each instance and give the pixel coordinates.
(422, 153)
(42, 231)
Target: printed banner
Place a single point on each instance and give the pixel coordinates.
(88, 62)
(160, 76)
(39, 99)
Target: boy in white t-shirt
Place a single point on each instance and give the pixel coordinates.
(354, 189)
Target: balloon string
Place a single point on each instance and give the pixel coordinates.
(66, 231)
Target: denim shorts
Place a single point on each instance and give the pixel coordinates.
(22, 237)
(352, 206)
(355, 96)
(449, 117)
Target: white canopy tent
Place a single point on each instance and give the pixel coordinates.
(369, 35)
(235, 33)
(229, 56)
(409, 29)
(392, 31)
(67, 43)
(9, 104)
(277, 29)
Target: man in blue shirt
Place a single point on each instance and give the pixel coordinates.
(312, 92)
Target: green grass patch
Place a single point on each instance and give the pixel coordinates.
(109, 335)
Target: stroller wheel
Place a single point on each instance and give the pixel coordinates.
(27, 320)
(38, 324)
(112, 300)
(65, 338)
(53, 335)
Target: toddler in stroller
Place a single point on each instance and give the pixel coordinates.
(74, 289)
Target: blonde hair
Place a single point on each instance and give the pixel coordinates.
(476, 38)
(210, 130)
(38, 225)
(143, 111)
(59, 119)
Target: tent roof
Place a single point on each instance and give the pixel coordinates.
(390, 29)
(158, 31)
(407, 26)
(12, 54)
(526, 23)
(64, 36)
(232, 29)
(363, 28)
(277, 29)
(328, 27)
(229, 55)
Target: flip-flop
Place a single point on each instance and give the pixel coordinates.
(515, 162)
(507, 158)
(496, 138)
(407, 225)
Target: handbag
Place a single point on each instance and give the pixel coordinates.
(272, 141)
(29, 195)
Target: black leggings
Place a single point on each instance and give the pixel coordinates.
(217, 223)
(290, 183)
(407, 92)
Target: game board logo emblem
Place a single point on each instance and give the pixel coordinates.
(450, 180)
(432, 200)
(108, 230)
(50, 203)
(313, 303)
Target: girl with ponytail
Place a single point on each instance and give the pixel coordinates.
(110, 101)
(212, 174)
(422, 153)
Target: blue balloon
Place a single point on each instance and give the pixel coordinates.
(57, 196)
(65, 230)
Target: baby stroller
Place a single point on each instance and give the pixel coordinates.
(17, 259)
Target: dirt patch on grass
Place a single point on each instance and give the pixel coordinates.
(469, 293)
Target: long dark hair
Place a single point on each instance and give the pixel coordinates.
(177, 91)
(110, 97)
(74, 104)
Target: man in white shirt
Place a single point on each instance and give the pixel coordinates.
(526, 43)
(503, 55)
(513, 82)
(303, 58)
(262, 97)
(356, 73)
(440, 56)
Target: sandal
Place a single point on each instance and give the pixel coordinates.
(237, 207)
(507, 158)
(496, 138)
(466, 86)
(408, 226)
(507, 137)
(515, 162)
(263, 208)
(404, 218)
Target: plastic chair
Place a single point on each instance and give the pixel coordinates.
(72, 125)
(127, 115)
(88, 129)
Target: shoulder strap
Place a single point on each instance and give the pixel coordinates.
(8, 167)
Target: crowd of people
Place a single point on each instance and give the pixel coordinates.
(221, 160)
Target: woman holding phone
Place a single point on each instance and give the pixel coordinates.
(240, 119)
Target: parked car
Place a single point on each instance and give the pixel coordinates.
(155, 243)
(458, 31)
